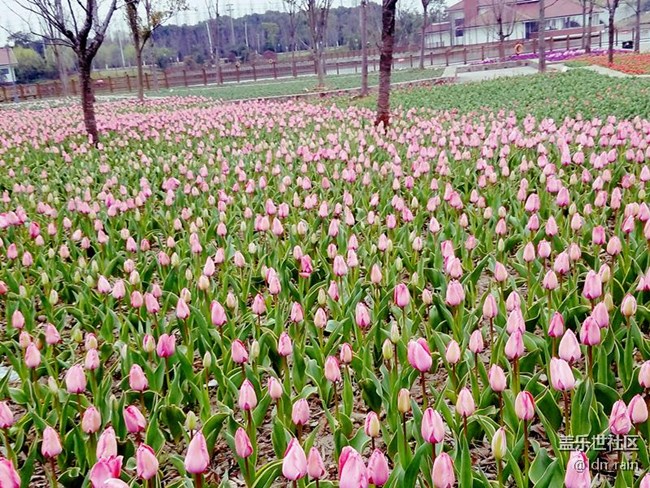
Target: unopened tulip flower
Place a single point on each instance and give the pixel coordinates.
(315, 465)
(525, 406)
(51, 446)
(217, 314)
(91, 420)
(105, 469)
(577, 471)
(8, 474)
(569, 349)
(6, 416)
(645, 482)
(371, 426)
(352, 470)
(499, 444)
(378, 470)
(465, 405)
(243, 445)
(433, 427)
(401, 295)
(601, 315)
(137, 379)
(134, 420)
(346, 353)
(590, 332)
(300, 412)
(18, 320)
(238, 352)
(107, 444)
(476, 342)
(32, 356)
(362, 315)
(443, 472)
(294, 464)
(628, 306)
(52, 335)
(637, 410)
(619, 420)
(419, 355)
(497, 378)
(455, 294)
(115, 483)
(146, 462)
(75, 379)
(166, 345)
(274, 387)
(593, 287)
(332, 369)
(285, 347)
(452, 353)
(404, 401)
(197, 458)
(514, 347)
(247, 396)
(562, 378)
(644, 375)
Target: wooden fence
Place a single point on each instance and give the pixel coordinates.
(235, 73)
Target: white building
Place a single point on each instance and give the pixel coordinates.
(7, 65)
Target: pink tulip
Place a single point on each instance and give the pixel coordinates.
(346, 353)
(6, 416)
(151, 303)
(378, 470)
(107, 444)
(644, 375)
(243, 445)
(217, 314)
(628, 306)
(247, 396)
(92, 360)
(51, 446)
(490, 309)
(197, 458)
(619, 420)
(52, 335)
(285, 347)
(433, 427)
(166, 345)
(590, 332)
(401, 295)
(525, 406)
(275, 388)
(294, 464)
(476, 342)
(556, 325)
(332, 369)
(593, 287)
(103, 286)
(75, 379)
(238, 352)
(137, 379)
(569, 348)
(104, 470)
(419, 355)
(315, 465)
(452, 353)
(443, 472)
(91, 420)
(352, 470)
(637, 410)
(300, 412)
(577, 471)
(9, 477)
(115, 483)
(32, 356)
(146, 462)
(465, 405)
(497, 378)
(562, 378)
(340, 268)
(372, 426)
(362, 315)
(514, 347)
(182, 309)
(17, 320)
(455, 294)
(645, 482)
(601, 315)
(134, 420)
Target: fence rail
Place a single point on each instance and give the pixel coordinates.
(350, 63)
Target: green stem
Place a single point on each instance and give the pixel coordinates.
(425, 398)
(406, 444)
(567, 406)
(10, 452)
(198, 480)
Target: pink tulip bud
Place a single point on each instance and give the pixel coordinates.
(645, 482)
(455, 294)
(91, 420)
(17, 320)
(333, 291)
(378, 470)
(92, 360)
(197, 458)
(452, 352)
(525, 405)
(332, 369)
(146, 462)
(6, 416)
(419, 355)
(294, 464)
(562, 378)
(569, 348)
(151, 303)
(107, 444)
(497, 378)
(375, 274)
(577, 471)
(550, 281)
(315, 465)
(275, 388)
(644, 375)
(243, 445)
(51, 335)
(166, 345)
(137, 379)
(556, 326)
(8, 474)
(119, 290)
(628, 306)
(103, 286)
(476, 342)
(217, 314)
(340, 268)
(513, 302)
(433, 427)
(352, 470)
(362, 315)
(148, 343)
(465, 403)
(300, 412)
(51, 446)
(320, 318)
(134, 420)
(182, 309)
(514, 347)
(443, 472)
(601, 315)
(637, 410)
(75, 379)
(619, 420)
(297, 315)
(247, 396)
(238, 352)
(401, 295)
(590, 332)
(285, 347)
(490, 309)
(105, 470)
(500, 272)
(593, 287)
(346, 353)
(32, 356)
(372, 426)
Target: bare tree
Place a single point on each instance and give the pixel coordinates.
(505, 18)
(636, 6)
(541, 34)
(364, 48)
(425, 20)
(590, 21)
(317, 12)
(291, 8)
(142, 26)
(213, 15)
(388, 15)
(611, 6)
(80, 28)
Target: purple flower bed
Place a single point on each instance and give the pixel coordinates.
(551, 56)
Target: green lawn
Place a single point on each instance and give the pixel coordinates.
(296, 86)
(555, 95)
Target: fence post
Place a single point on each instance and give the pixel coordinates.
(38, 91)
(146, 79)
(166, 79)
(567, 42)
(21, 89)
(237, 70)
(411, 59)
(482, 52)
(275, 70)
(447, 57)
(4, 93)
(128, 82)
(185, 78)
(465, 55)
(73, 84)
(205, 77)
(600, 39)
(550, 44)
(338, 72)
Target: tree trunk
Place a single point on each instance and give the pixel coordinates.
(502, 48)
(364, 48)
(590, 20)
(423, 40)
(140, 72)
(637, 27)
(318, 59)
(88, 100)
(386, 61)
(584, 24)
(610, 50)
(60, 66)
(541, 36)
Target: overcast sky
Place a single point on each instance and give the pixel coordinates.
(10, 22)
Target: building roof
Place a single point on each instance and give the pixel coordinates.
(437, 27)
(512, 10)
(7, 57)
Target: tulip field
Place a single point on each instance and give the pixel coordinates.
(279, 293)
